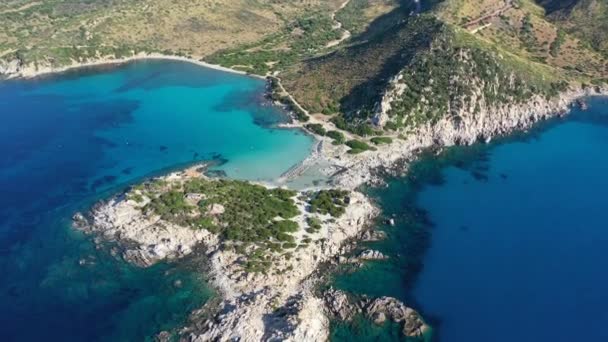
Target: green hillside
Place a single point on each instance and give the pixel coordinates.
(585, 19)
(458, 56)
(340, 59)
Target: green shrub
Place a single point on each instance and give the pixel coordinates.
(313, 223)
(358, 146)
(337, 136)
(381, 140)
(332, 202)
(288, 245)
(317, 129)
(300, 115)
(355, 151)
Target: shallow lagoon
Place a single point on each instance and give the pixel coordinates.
(71, 139)
(516, 236)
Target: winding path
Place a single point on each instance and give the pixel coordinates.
(338, 25)
(496, 13)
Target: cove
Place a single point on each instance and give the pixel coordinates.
(500, 242)
(71, 139)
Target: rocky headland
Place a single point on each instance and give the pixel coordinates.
(278, 303)
(282, 305)
(463, 127)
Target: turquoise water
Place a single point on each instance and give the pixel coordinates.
(69, 140)
(505, 242)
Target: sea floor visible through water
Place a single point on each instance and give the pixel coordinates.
(498, 242)
(70, 139)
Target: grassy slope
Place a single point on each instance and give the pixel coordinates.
(585, 19)
(352, 78)
(525, 30)
(60, 30)
(304, 37)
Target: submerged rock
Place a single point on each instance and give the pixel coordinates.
(370, 254)
(582, 104)
(372, 235)
(379, 317)
(79, 221)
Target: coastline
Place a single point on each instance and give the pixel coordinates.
(29, 71)
(361, 168)
(253, 306)
(305, 316)
(285, 306)
(431, 216)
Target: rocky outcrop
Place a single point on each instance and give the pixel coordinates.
(370, 254)
(372, 235)
(144, 239)
(339, 306)
(279, 306)
(10, 67)
(384, 308)
(469, 128)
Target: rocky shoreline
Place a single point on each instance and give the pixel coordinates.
(279, 305)
(482, 127)
(284, 306)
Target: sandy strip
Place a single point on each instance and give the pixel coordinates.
(30, 72)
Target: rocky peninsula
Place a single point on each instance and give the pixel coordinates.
(266, 284)
(268, 289)
(265, 245)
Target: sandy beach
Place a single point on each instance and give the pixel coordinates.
(29, 71)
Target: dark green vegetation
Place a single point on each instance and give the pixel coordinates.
(358, 146)
(585, 19)
(317, 129)
(248, 210)
(314, 225)
(557, 43)
(337, 136)
(381, 140)
(252, 219)
(332, 202)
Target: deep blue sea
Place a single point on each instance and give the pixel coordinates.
(71, 139)
(500, 242)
